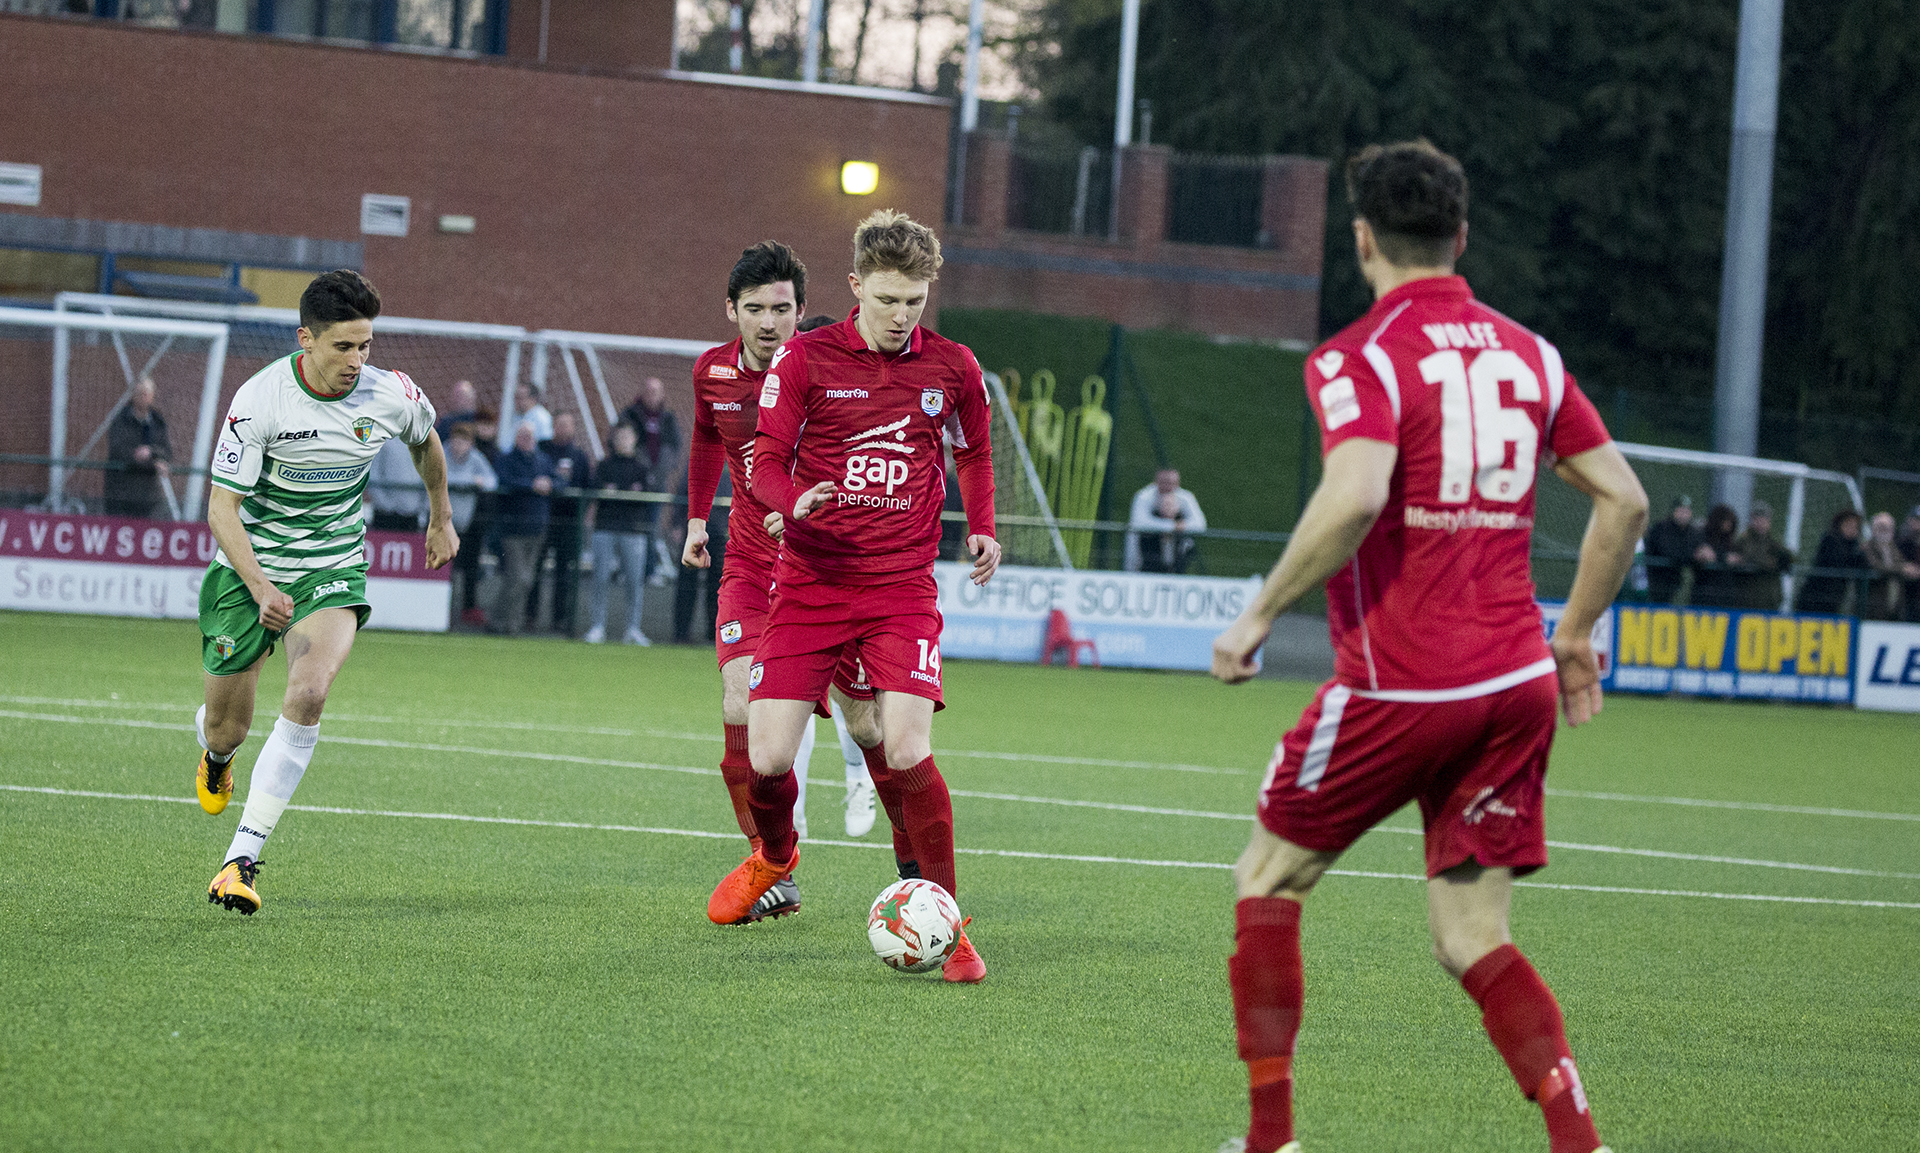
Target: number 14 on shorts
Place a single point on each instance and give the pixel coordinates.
(929, 669)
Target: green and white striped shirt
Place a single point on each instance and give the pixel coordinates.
(301, 461)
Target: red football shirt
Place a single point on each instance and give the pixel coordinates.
(1438, 603)
(725, 413)
(871, 422)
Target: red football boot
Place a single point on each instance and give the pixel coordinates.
(965, 966)
(734, 897)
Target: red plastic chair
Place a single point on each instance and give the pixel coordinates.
(1060, 636)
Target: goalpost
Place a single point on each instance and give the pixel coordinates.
(91, 379)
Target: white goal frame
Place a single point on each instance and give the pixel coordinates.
(63, 324)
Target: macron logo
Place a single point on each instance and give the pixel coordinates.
(846, 394)
(726, 406)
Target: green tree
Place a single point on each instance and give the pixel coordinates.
(1596, 137)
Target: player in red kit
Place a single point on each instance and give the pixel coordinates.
(766, 292)
(1434, 411)
(850, 453)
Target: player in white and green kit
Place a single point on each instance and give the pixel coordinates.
(288, 473)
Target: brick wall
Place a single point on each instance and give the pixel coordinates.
(1143, 280)
(605, 202)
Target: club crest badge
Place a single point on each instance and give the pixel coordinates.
(730, 633)
(755, 675)
(932, 401)
(224, 646)
(363, 429)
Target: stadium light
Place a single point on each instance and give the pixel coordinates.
(859, 177)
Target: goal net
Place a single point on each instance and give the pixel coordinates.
(69, 376)
(1024, 519)
(1804, 502)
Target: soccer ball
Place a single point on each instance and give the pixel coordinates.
(914, 925)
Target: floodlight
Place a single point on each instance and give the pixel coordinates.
(859, 177)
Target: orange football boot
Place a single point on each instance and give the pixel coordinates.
(214, 784)
(232, 887)
(734, 897)
(965, 966)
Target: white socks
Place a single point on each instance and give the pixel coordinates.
(283, 760)
(850, 752)
(800, 761)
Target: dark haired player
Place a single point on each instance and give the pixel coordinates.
(1434, 410)
(849, 452)
(288, 473)
(766, 292)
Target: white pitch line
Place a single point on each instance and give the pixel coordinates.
(1746, 806)
(658, 734)
(1016, 853)
(1061, 802)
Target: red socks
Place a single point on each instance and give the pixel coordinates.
(887, 785)
(1524, 1022)
(928, 813)
(771, 799)
(1267, 997)
(737, 772)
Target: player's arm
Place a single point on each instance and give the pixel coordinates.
(430, 461)
(973, 462)
(1606, 553)
(223, 517)
(1353, 489)
(705, 457)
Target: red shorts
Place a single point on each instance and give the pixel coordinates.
(1478, 768)
(891, 632)
(742, 620)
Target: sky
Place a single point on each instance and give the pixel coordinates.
(888, 57)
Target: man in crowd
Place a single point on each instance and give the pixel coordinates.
(1161, 516)
(1763, 560)
(1444, 689)
(137, 439)
(526, 482)
(464, 408)
(620, 536)
(848, 454)
(1671, 546)
(572, 468)
(527, 409)
(1909, 545)
(469, 476)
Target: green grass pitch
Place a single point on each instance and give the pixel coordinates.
(423, 983)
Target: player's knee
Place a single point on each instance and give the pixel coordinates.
(304, 703)
(864, 728)
(905, 754)
(1457, 947)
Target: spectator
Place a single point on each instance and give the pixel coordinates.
(486, 433)
(1908, 542)
(464, 408)
(572, 468)
(1162, 515)
(469, 476)
(1762, 559)
(1825, 590)
(137, 439)
(1885, 592)
(1718, 576)
(398, 495)
(526, 480)
(620, 532)
(528, 409)
(661, 445)
(688, 586)
(1671, 546)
